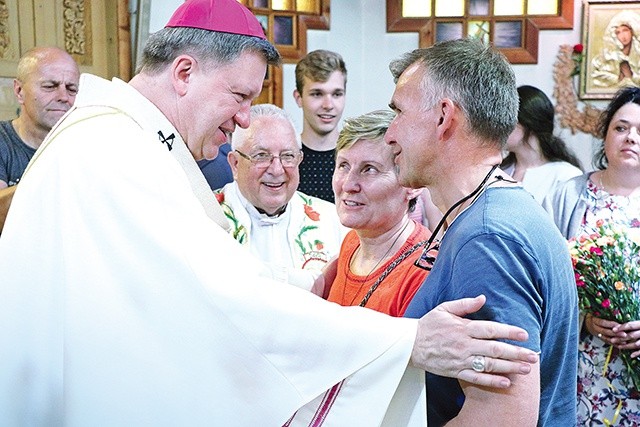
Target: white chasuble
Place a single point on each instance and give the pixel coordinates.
(123, 304)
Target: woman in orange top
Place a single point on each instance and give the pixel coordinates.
(375, 267)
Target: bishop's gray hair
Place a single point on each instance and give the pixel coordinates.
(211, 47)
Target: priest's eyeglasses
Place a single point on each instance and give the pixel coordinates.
(262, 159)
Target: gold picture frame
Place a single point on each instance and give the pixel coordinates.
(611, 41)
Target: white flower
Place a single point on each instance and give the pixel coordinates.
(634, 235)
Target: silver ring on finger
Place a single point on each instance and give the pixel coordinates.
(478, 363)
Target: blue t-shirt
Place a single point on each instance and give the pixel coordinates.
(14, 154)
(217, 171)
(506, 247)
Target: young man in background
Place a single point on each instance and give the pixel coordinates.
(321, 84)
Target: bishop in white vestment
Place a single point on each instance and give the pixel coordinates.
(117, 309)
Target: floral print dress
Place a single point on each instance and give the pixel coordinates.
(607, 399)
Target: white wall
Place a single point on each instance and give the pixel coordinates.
(358, 33)
(161, 11)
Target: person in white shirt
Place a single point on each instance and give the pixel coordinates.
(536, 157)
(293, 233)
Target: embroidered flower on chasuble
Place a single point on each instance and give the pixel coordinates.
(309, 243)
(239, 231)
(311, 247)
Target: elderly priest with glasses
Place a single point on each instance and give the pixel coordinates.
(294, 234)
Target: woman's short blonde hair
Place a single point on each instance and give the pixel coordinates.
(371, 126)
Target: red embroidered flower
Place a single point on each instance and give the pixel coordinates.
(606, 303)
(220, 197)
(313, 215)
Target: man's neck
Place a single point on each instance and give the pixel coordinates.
(319, 142)
(30, 134)
(452, 187)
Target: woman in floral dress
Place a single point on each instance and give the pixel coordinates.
(606, 395)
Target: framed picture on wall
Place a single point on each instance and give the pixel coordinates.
(611, 40)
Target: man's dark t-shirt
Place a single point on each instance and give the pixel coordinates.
(316, 172)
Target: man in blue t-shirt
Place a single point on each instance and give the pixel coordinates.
(45, 86)
(456, 104)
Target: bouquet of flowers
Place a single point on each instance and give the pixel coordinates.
(607, 272)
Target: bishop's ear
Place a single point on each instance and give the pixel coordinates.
(182, 70)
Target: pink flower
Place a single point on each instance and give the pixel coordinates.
(595, 250)
(606, 303)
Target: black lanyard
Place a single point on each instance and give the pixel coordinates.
(426, 261)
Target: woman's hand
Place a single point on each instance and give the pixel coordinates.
(601, 328)
(624, 336)
(628, 337)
